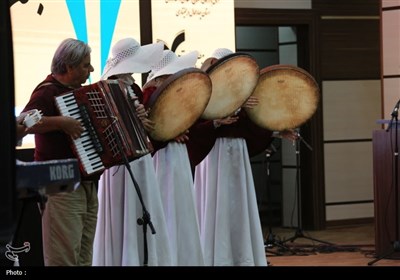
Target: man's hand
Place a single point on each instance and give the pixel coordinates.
(72, 127)
(142, 115)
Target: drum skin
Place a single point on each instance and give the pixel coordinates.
(178, 103)
(288, 97)
(234, 78)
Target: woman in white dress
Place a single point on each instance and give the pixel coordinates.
(230, 227)
(174, 173)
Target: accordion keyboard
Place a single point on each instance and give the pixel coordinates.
(86, 145)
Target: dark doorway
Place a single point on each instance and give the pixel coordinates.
(286, 37)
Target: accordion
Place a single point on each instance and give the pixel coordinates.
(113, 133)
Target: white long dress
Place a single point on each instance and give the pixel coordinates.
(230, 227)
(176, 184)
(119, 239)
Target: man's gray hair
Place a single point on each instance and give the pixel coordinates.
(70, 52)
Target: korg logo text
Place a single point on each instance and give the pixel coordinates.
(62, 172)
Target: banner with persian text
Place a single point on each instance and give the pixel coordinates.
(187, 25)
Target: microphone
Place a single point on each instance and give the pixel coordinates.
(270, 150)
(394, 115)
(395, 112)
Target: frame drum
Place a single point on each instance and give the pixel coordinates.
(234, 78)
(178, 103)
(288, 96)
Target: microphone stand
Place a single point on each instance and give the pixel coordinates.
(271, 241)
(395, 175)
(299, 231)
(145, 220)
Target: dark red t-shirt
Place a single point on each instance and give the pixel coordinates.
(55, 144)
